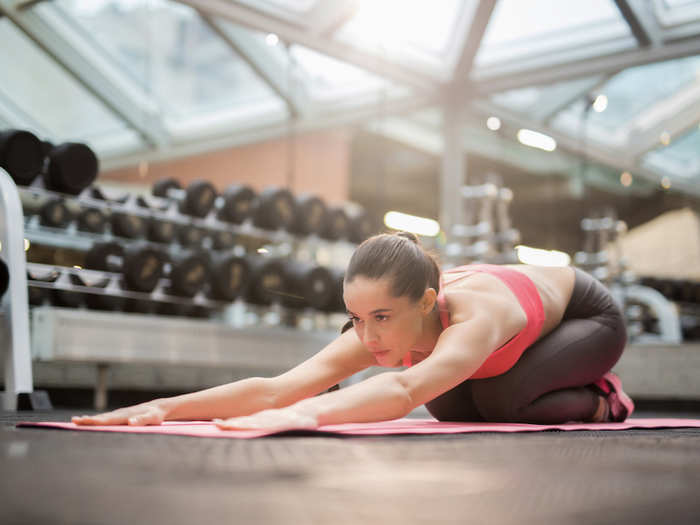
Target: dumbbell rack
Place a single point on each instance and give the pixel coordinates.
(65, 335)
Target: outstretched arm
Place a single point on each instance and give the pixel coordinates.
(459, 352)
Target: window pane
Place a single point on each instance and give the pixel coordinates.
(631, 93)
(406, 30)
(51, 99)
(174, 55)
(681, 158)
(518, 28)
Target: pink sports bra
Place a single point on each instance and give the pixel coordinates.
(503, 358)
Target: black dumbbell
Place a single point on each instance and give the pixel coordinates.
(71, 168)
(360, 226)
(141, 266)
(21, 155)
(336, 226)
(54, 213)
(230, 275)
(91, 220)
(190, 235)
(188, 273)
(39, 295)
(267, 281)
(222, 239)
(123, 223)
(4, 278)
(308, 286)
(157, 230)
(275, 208)
(310, 215)
(97, 301)
(236, 204)
(197, 200)
(65, 298)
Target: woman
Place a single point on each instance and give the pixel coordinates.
(481, 343)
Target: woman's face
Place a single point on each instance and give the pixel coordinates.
(388, 326)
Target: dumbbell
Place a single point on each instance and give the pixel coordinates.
(71, 167)
(141, 266)
(97, 301)
(230, 275)
(156, 229)
(36, 295)
(275, 208)
(21, 155)
(236, 204)
(190, 235)
(197, 200)
(337, 224)
(360, 226)
(91, 220)
(123, 223)
(336, 303)
(267, 281)
(52, 211)
(4, 278)
(310, 215)
(308, 286)
(188, 272)
(222, 239)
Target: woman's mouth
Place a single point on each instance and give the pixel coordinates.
(380, 353)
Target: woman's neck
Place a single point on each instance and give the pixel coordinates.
(432, 328)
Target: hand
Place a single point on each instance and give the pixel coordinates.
(150, 413)
(277, 419)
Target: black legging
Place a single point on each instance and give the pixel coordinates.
(547, 384)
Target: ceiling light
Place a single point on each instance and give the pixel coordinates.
(536, 140)
(600, 103)
(539, 257)
(27, 244)
(665, 182)
(263, 250)
(272, 39)
(493, 123)
(410, 223)
(665, 138)
(626, 178)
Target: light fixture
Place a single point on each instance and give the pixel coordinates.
(410, 223)
(535, 139)
(27, 244)
(272, 39)
(539, 257)
(77, 267)
(600, 103)
(263, 250)
(626, 178)
(493, 123)
(665, 182)
(665, 138)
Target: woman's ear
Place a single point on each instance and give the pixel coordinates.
(428, 300)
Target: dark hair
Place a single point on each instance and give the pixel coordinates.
(400, 257)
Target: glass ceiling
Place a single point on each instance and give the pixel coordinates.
(173, 72)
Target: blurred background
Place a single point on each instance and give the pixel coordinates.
(537, 131)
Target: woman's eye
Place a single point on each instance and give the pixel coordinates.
(381, 318)
(354, 319)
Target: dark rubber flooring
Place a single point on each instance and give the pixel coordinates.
(586, 477)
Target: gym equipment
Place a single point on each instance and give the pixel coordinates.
(229, 277)
(38, 296)
(274, 209)
(267, 281)
(97, 301)
(222, 239)
(141, 266)
(197, 200)
(22, 155)
(187, 272)
(127, 225)
(91, 220)
(310, 215)
(360, 226)
(236, 203)
(336, 225)
(4, 278)
(52, 211)
(190, 235)
(307, 285)
(71, 168)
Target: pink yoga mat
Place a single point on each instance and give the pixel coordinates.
(398, 426)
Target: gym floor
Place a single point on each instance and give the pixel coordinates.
(582, 477)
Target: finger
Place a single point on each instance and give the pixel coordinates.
(101, 419)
